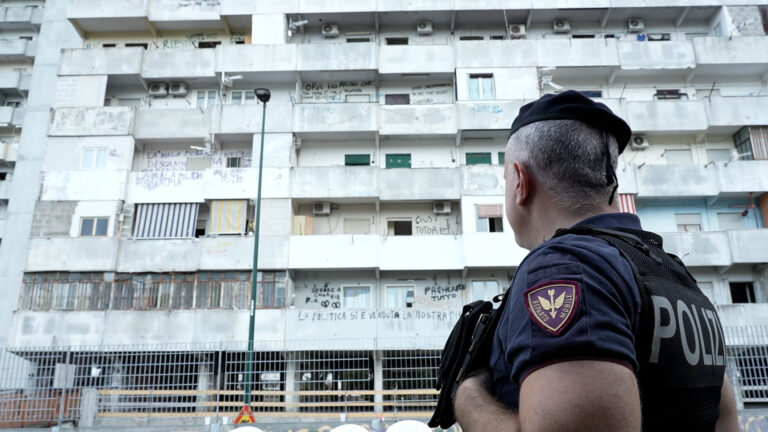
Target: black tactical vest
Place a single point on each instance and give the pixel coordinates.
(678, 342)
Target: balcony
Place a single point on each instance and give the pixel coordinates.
(578, 52)
(492, 250)
(425, 184)
(482, 180)
(337, 57)
(743, 176)
(418, 119)
(178, 64)
(672, 55)
(481, 115)
(17, 50)
(92, 121)
(730, 52)
(102, 16)
(743, 314)
(334, 252)
(235, 252)
(165, 186)
(394, 59)
(196, 15)
(72, 254)
(189, 123)
(269, 59)
(161, 255)
(676, 116)
(668, 181)
(336, 6)
(7, 115)
(497, 54)
(434, 252)
(102, 61)
(731, 113)
(96, 328)
(239, 119)
(21, 17)
(84, 185)
(335, 182)
(749, 246)
(5, 189)
(8, 152)
(10, 81)
(699, 248)
(335, 117)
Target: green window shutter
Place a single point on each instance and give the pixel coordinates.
(478, 158)
(398, 160)
(501, 158)
(357, 159)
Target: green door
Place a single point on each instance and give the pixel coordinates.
(398, 160)
(478, 158)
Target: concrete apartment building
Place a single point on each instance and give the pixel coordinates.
(129, 142)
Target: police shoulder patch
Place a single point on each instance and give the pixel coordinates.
(553, 304)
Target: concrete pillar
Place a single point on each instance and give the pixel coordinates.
(290, 382)
(378, 380)
(204, 381)
(116, 383)
(89, 406)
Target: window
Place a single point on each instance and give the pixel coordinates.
(400, 227)
(708, 289)
(206, 98)
(484, 289)
(66, 295)
(669, 94)
(678, 157)
(357, 226)
(478, 158)
(13, 103)
(94, 158)
(489, 218)
(397, 41)
(398, 160)
(501, 158)
(357, 159)
(498, 37)
(208, 44)
(471, 38)
(357, 297)
(751, 143)
(592, 93)
(742, 292)
(93, 226)
(234, 162)
(271, 289)
(656, 37)
(142, 45)
(730, 221)
(397, 99)
(357, 98)
(583, 36)
(3, 175)
(688, 222)
(130, 102)
(357, 40)
(108, 45)
(401, 296)
(198, 164)
(481, 87)
(242, 97)
(719, 155)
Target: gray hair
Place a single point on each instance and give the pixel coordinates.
(567, 157)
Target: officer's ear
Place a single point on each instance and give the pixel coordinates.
(521, 183)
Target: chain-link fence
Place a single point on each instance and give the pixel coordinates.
(361, 379)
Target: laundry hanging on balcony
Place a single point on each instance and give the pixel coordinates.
(228, 216)
(165, 220)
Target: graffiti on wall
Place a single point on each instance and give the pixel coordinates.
(159, 179)
(335, 91)
(323, 295)
(179, 41)
(436, 225)
(357, 315)
(436, 93)
(176, 160)
(441, 292)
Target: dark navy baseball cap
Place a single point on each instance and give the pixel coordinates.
(572, 105)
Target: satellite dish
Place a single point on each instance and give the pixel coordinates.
(349, 428)
(409, 426)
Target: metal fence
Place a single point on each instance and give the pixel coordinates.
(362, 379)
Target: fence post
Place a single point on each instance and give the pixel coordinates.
(219, 383)
(64, 387)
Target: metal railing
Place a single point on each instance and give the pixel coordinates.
(364, 379)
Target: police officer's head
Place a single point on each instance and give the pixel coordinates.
(560, 164)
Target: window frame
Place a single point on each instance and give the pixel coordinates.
(344, 289)
(485, 287)
(206, 102)
(684, 226)
(94, 227)
(94, 162)
(405, 289)
(486, 86)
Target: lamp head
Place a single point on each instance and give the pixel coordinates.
(263, 94)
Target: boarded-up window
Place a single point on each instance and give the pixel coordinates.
(165, 220)
(228, 216)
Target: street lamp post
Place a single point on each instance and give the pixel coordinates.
(262, 95)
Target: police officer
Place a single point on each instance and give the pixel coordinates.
(566, 354)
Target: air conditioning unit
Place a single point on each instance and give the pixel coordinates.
(424, 28)
(561, 26)
(441, 207)
(517, 31)
(331, 30)
(158, 89)
(178, 89)
(635, 25)
(639, 142)
(321, 208)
